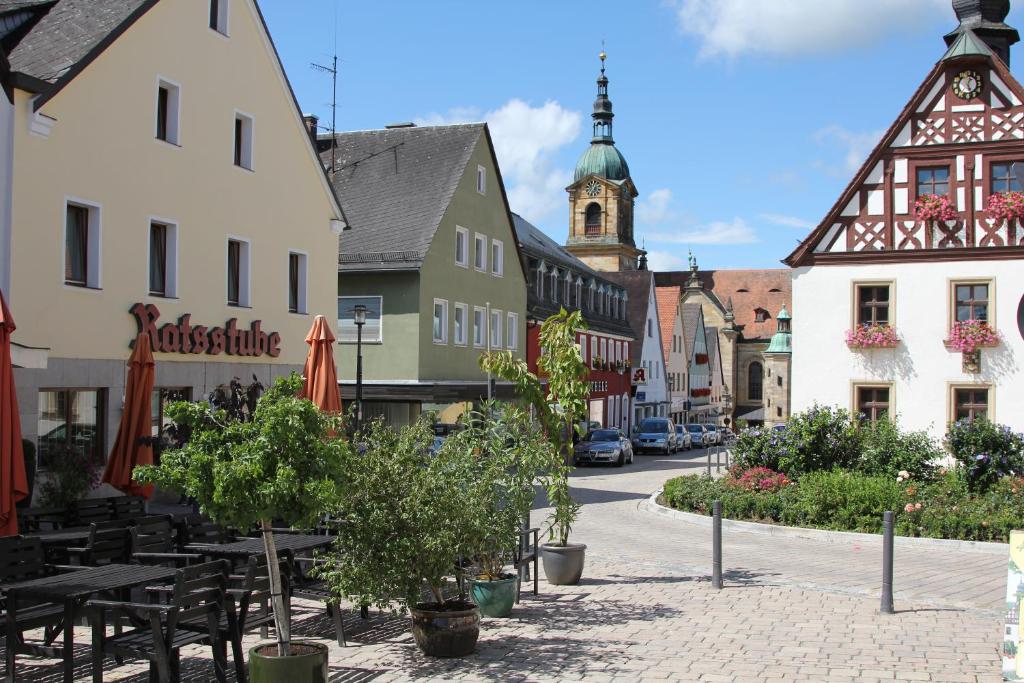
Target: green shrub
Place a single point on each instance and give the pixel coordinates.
(822, 438)
(986, 451)
(844, 501)
(888, 451)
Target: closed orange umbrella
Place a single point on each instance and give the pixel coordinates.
(321, 376)
(136, 422)
(13, 482)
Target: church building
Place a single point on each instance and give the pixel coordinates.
(908, 295)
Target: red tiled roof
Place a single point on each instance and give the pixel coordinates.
(768, 289)
(668, 302)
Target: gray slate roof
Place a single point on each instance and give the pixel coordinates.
(67, 34)
(691, 315)
(638, 285)
(395, 185)
(535, 243)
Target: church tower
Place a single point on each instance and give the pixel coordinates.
(601, 197)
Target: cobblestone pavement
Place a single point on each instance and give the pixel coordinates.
(792, 610)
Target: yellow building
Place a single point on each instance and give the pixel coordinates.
(163, 180)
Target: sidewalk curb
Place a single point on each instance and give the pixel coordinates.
(985, 547)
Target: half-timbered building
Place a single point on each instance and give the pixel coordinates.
(924, 247)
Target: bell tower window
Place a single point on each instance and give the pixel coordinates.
(592, 223)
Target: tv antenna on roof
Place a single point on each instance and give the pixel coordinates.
(333, 71)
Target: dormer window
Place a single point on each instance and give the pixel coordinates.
(554, 285)
(760, 315)
(567, 289)
(579, 293)
(540, 280)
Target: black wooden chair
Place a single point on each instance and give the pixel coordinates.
(305, 587)
(153, 542)
(527, 553)
(41, 519)
(85, 512)
(23, 559)
(108, 543)
(198, 530)
(198, 596)
(127, 506)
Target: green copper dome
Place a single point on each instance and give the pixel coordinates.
(782, 341)
(604, 160)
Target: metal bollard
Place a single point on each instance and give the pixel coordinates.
(709, 461)
(718, 459)
(716, 544)
(887, 546)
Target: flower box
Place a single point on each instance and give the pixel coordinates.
(700, 392)
(1006, 207)
(873, 337)
(596, 362)
(701, 359)
(932, 208)
(967, 336)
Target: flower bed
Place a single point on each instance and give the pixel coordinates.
(967, 336)
(827, 470)
(872, 337)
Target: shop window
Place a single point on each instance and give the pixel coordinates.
(296, 282)
(971, 301)
(71, 422)
(971, 403)
(933, 180)
(873, 303)
(372, 329)
(82, 245)
(872, 402)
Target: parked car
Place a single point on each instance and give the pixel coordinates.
(779, 428)
(604, 445)
(683, 439)
(655, 434)
(698, 433)
(715, 437)
(728, 436)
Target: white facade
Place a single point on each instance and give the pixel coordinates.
(921, 372)
(652, 398)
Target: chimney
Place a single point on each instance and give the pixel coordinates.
(312, 122)
(985, 18)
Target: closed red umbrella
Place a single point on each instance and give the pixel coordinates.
(136, 422)
(13, 482)
(321, 376)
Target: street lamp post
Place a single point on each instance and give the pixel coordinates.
(359, 318)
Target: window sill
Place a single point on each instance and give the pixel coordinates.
(231, 305)
(75, 285)
(243, 168)
(153, 295)
(301, 314)
(219, 32)
(174, 145)
(462, 265)
(440, 342)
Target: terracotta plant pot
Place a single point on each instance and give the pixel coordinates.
(496, 597)
(563, 564)
(306, 664)
(450, 630)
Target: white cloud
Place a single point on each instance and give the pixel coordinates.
(654, 208)
(786, 221)
(854, 148)
(729, 28)
(736, 231)
(526, 140)
(660, 261)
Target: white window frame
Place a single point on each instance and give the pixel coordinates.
(244, 271)
(94, 250)
(497, 260)
(512, 332)
(480, 263)
(303, 297)
(481, 180)
(494, 329)
(171, 276)
(443, 303)
(463, 235)
(173, 111)
(583, 348)
(222, 17)
(464, 339)
(248, 160)
(479, 330)
(380, 321)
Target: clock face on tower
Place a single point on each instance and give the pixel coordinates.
(593, 188)
(967, 84)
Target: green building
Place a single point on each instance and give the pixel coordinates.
(432, 254)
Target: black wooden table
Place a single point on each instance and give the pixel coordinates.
(250, 547)
(72, 590)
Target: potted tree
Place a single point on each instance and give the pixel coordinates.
(403, 524)
(284, 465)
(559, 406)
(510, 452)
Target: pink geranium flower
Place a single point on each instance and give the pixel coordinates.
(967, 335)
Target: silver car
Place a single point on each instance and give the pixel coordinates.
(684, 441)
(604, 445)
(655, 434)
(715, 435)
(699, 434)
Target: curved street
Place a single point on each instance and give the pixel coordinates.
(792, 609)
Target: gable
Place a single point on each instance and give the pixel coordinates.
(942, 127)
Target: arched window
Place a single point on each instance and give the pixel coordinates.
(755, 380)
(592, 224)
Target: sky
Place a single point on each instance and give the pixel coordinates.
(741, 120)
